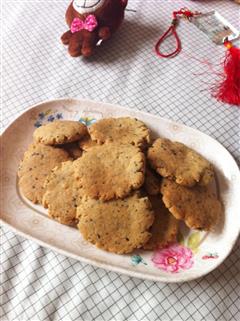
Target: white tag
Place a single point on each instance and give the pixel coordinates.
(217, 28)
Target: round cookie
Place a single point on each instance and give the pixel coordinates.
(179, 163)
(198, 207)
(118, 226)
(152, 182)
(165, 226)
(73, 150)
(123, 130)
(62, 194)
(37, 163)
(110, 171)
(86, 143)
(59, 132)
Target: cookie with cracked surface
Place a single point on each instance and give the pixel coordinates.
(37, 163)
(118, 226)
(165, 226)
(180, 163)
(152, 182)
(110, 171)
(59, 132)
(123, 130)
(197, 206)
(62, 194)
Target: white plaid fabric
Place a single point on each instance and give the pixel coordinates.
(39, 284)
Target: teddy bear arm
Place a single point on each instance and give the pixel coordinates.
(104, 33)
(66, 37)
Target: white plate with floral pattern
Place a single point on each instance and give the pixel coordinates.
(196, 254)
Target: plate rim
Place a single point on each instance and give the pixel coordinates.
(138, 274)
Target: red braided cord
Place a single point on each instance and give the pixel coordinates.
(172, 30)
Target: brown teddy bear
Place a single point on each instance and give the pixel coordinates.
(91, 21)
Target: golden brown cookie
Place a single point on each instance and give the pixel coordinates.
(179, 163)
(152, 182)
(123, 130)
(60, 132)
(73, 149)
(118, 226)
(37, 163)
(110, 171)
(62, 194)
(86, 143)
(197, 206)
(165, 226)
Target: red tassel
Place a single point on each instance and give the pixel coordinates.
(229, 90)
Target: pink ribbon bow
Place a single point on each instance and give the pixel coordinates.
(90, 23)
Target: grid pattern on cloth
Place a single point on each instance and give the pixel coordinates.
(39, 284)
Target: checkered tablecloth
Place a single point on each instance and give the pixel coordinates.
(39, 284)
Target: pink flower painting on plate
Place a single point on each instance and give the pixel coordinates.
(173, 258)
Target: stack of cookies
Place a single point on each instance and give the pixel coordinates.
(185, 187)
(119, 189)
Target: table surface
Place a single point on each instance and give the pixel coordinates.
(39, 284)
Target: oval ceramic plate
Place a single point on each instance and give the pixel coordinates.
(196, 254)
